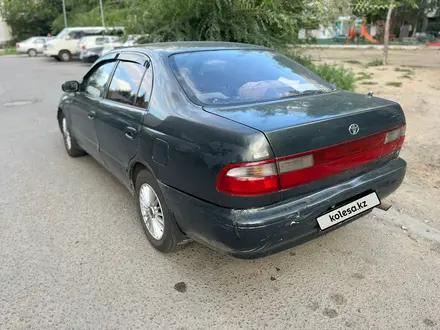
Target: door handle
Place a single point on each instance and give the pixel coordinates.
(130, 132)
(91, 115)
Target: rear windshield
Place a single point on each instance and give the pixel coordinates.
(243, 76)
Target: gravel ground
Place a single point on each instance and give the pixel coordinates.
(73, 254)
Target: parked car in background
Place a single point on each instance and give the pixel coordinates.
(235, 146)
(64, 46)
(31, 46)
(131, 41)
(90, 48)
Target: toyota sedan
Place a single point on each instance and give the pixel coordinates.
(234, 146)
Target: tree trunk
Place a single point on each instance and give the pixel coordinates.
(425, 23)
(387, 34)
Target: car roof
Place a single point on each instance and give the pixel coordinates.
(94, 28)
(169, 48)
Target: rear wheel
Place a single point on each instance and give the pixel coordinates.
(65, 56)
(156, 219)
(72, 147)
(32, 52)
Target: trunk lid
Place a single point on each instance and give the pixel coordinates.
(312, 122)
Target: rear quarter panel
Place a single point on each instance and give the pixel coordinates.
(196, 144)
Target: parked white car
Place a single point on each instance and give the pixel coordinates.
(90, 48)
(131, 41)
(31, 46)
(65, 45)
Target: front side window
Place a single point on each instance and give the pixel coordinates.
(95, 83)
(242, 76)
(62, 34)
(125, 82)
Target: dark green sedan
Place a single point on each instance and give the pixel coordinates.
(234, 146)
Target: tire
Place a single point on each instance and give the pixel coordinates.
(32, 53)
(72, 147)
(65, 56)
(170, 239)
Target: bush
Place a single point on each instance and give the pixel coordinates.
(269, 23)
(337, 75)
(375, 62)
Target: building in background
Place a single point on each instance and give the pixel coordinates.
(5, 32)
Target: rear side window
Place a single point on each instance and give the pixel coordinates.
(243, 76)
(125, 83)
(144, 93)
(101, 40)
(96, 81)
(76, 35)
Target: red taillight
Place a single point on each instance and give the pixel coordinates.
(83, 47)
(18, 45)
(249, 179)
(260, 178)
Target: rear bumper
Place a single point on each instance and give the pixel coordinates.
(253, 233)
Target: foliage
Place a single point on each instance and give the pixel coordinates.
(368, 83)
(334, 74)
(353, 62)
(272, 23)
(399, 69)
(372, 6)
(8, 51)
(364, 76)
(87, 13)
(394, 83)
(265, 22)
(29, 18)
(375, 62)
(407, 76)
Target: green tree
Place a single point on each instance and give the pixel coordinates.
(29, 18)
(265, 22)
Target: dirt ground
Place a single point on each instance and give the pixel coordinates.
(419, 96)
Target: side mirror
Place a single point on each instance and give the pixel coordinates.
(67, 37)
(71, 86)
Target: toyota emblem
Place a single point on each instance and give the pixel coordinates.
(353, 129)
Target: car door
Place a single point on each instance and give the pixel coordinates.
(85, 104)
(120, 114)
(39, 45)
(71, 43)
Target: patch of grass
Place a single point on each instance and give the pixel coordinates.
(394, 84)
(8, 51)
(335, 74)
(403, 70)
(375, 62)
(353, 62)
(407, 76)
(368, 83)
(364, 75)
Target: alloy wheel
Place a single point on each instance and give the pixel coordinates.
(151, 211)
(66, 134)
